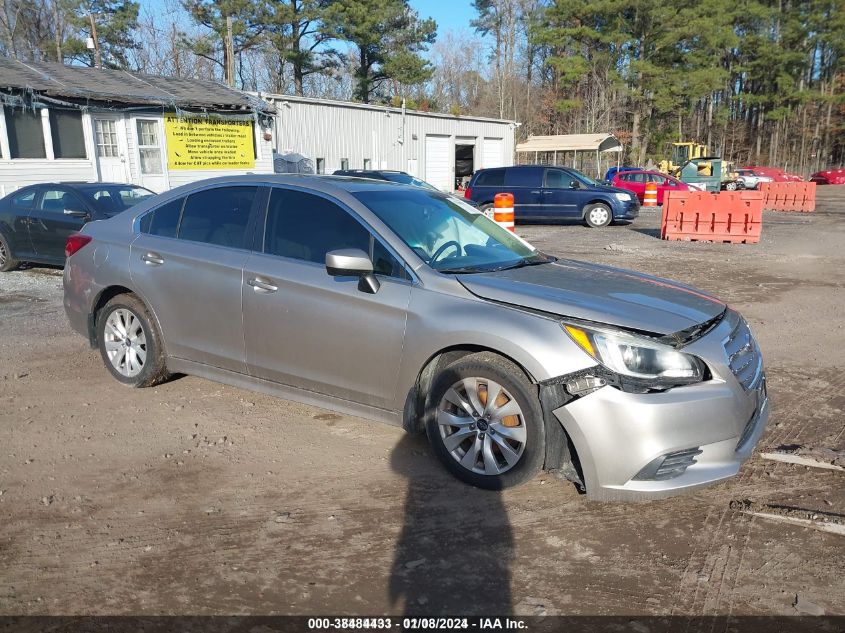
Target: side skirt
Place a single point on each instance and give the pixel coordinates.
(303, 396)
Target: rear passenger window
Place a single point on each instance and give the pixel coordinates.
(304, 226)
(164, 220)
(523, 177)
(491, 178)
(218, 216)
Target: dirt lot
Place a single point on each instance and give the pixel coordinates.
(199, 498)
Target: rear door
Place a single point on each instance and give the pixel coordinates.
(560, 200)
(50, 223)
(307, 329)
(188, 265)
(525, 183)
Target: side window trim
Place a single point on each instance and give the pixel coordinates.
(250, 223)
(261, 235)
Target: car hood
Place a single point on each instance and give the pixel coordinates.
(598, 293)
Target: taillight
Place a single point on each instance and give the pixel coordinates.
(467, 193)
(75, 243)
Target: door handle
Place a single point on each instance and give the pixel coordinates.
(261, 286)
(547, 193)
(535, 191)
(152, 259)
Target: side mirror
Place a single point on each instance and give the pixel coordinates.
(77, 213)
(574, 184)
(353, 262)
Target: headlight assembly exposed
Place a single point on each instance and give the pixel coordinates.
(637, 357)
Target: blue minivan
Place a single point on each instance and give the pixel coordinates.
(546, 193)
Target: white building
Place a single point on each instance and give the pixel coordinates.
(64, 123)
(439, 148)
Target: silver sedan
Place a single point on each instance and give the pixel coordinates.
(407, 306)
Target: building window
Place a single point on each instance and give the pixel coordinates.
(344, 163)
(366, 163)
(26, 133)
(66, 130)
(321, 165)
(149, 147)
(106, 132)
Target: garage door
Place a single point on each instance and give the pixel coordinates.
(438, 167)
(493, 154)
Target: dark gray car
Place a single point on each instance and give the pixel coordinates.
(408, 306)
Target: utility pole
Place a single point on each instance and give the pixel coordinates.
(230, 54)
(98, 59)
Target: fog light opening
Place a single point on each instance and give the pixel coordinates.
(669, 466)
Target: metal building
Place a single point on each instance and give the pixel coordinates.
(442, 149)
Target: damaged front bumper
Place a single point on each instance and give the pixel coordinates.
(638, 446)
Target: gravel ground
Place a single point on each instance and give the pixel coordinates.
(199, 498)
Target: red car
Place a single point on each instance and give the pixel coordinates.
(829, 177)
(635, 181)
(775, 173)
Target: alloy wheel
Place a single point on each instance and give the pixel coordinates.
(4, 256)
(482, 426)
(125, 342)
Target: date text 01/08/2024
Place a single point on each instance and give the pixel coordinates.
(415, 624)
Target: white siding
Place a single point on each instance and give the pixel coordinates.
(493, 154)
(18, 173)
(335, 130)
(439, 169)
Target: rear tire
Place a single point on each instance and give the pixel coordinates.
(494, 447)
(7, 261)
(597, 215)
(130, 343)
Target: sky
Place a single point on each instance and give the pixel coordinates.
(449, 14)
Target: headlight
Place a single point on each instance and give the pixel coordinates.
(624, 197)
(637, 357)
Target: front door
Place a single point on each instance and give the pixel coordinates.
(560, 199)
(110, 142)
(192, 279)
(151, 154)
(306, 329)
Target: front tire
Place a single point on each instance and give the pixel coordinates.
(485, 423)
(7, 261)
(731, 186)
(130, 343)
(598, 215)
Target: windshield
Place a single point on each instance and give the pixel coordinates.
(407, 179)
(449, 235)
(112, 199)
(585, 180)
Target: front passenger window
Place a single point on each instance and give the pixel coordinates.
(304, 226)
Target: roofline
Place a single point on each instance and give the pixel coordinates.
(276, 98)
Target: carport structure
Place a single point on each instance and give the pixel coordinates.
(547, 148)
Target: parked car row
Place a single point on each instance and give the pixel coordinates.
(35, 221)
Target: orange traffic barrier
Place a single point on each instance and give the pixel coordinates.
(650, 197)
(503, 210)
(729, 216)
(789, 196)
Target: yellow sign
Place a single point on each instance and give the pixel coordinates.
(200, 143)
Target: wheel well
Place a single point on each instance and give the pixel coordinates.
(597, 201)
(414, 413)
(105, 296)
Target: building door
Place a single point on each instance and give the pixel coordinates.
(493, 153)
(151, 154)
(110, 142)
(439, 162)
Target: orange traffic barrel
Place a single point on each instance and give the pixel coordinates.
(650, 197)
(503, 210)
